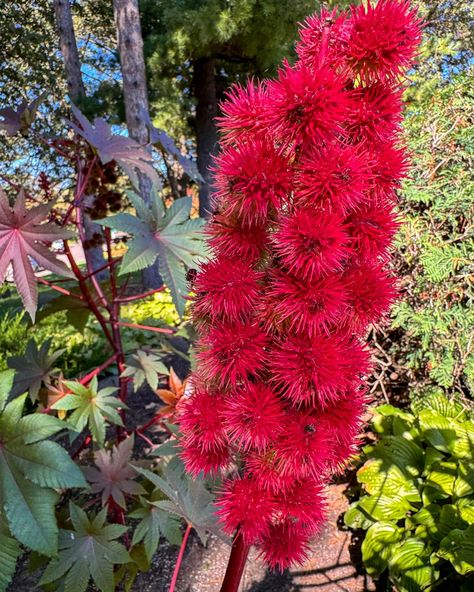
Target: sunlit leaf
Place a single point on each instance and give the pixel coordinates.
(23, 238)
(166, 234)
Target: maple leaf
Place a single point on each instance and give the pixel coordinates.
(113, 476)
(53, 393)
(166, 234)
(22, 237)
(144, 366)
(19, 119)
(89, 551)
(128, 154)
(171, 396)
(33, 369)
(91, 407)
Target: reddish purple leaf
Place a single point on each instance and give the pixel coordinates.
(22, 233)
(19, 119)
(114, 477)
(130, 155)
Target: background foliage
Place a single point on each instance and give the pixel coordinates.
(430, 344)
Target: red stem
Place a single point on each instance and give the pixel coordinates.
(141, 296)
(116, 333)
(93, 279)
(179, 560)
(145, 327)
(82, 187)
(85, 443)
(87, 295)
(236, 564)
(53, 147)
(58, 288)
(145, 438)
(153, 420)
(102, 267)
(88, 377)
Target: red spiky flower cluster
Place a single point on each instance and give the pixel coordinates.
(306, 184)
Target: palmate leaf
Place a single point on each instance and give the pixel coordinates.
(23, 235)
(89, 551)
(91, 407)
(33, 369)
(166, 234)
(154, 524)
(112, 475)
(31, 468)
(171, 396)
(162, 139)
(77, 311)
(188, 498)
(128, 154)
(19, 119)
(145, 366)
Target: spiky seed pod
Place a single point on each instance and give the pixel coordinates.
(306, 214)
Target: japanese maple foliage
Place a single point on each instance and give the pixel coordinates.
(306, 191)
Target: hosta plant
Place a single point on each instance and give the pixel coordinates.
(306, 187)
(416, 497)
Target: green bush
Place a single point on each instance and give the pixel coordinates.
(430, 345)
(416, 502)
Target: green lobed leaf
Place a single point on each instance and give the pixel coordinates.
(33, 369)
(91, 407)
(30, 469)
(90, 551)
(10, 551)
(168, 235)
(145, 366)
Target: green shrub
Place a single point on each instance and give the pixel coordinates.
(417, 497)
(431, 342)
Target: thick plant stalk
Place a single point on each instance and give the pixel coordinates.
(236, 565)
(306, 193)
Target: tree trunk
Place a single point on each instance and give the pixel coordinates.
(72, 67)
(137, 112)
(204, 84)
